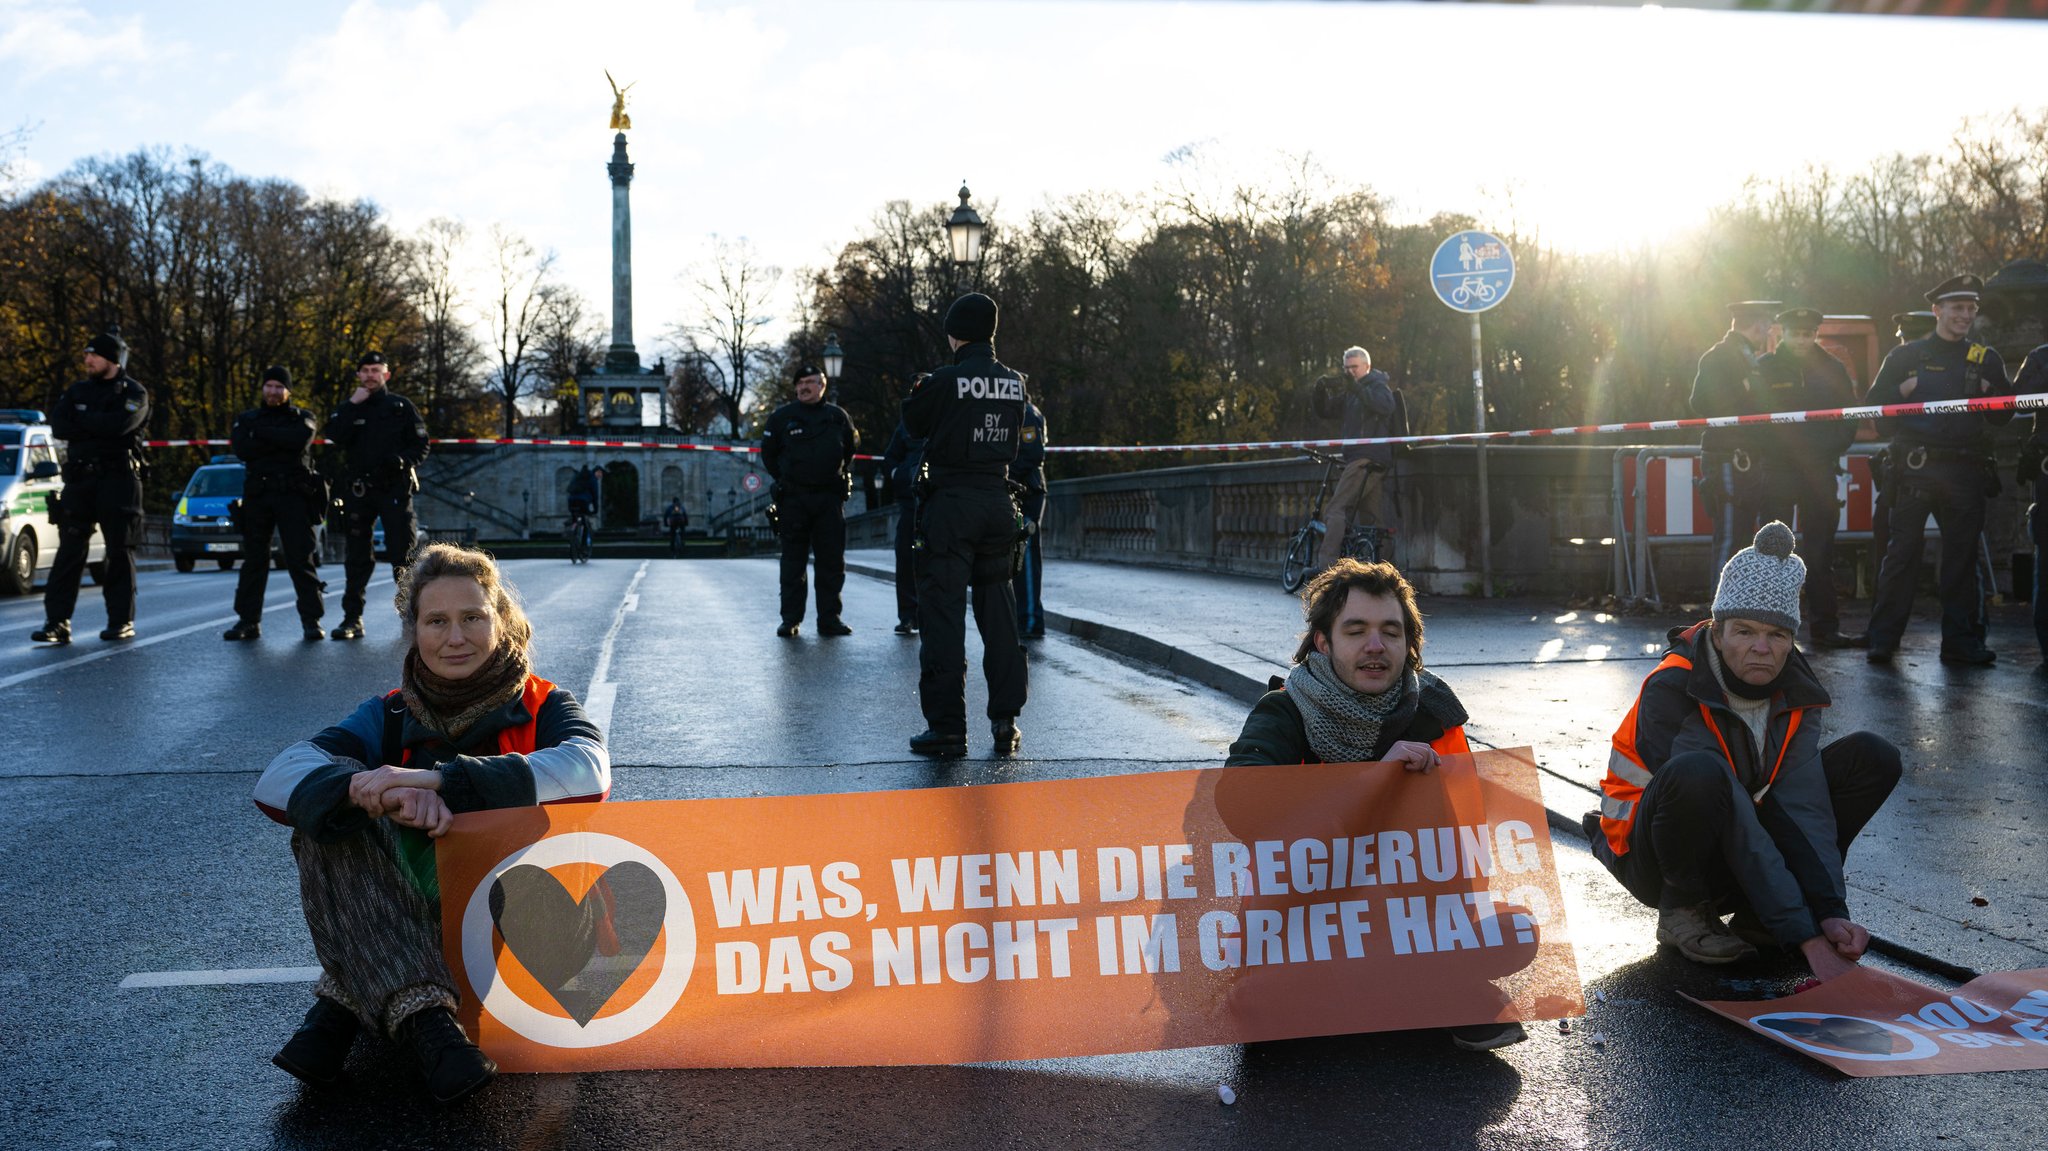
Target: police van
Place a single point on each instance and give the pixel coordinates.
(31, 463)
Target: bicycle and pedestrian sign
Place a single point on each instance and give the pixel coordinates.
(1472, 271)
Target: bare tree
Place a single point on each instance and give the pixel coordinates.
(569, 342)
(515, 314)
(447, 346)
(733, 292)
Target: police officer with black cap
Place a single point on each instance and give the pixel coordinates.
(808, 446)
(385, 439)
(281, 493)
(1731, 478)
(1801, 461)
(971, 417)
(101, 420)
(1940, 464)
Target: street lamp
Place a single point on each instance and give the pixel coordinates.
(835, 357)
(964, 231)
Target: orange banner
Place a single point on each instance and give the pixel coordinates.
(1015, 921)
(1870, 1023)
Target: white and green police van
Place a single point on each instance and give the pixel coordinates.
(31, 463)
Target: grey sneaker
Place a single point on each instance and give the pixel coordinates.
(1698, 935)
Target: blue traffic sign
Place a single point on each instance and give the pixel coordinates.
(1472, 271)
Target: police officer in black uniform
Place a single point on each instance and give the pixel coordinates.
(1028, 472)
(1906, 327)
(101, 420)
(280, 492)
(1940, 464)
(385, 439)
(902, 459)
(2033, 469)
(1801, 461)
(971, 417)
(1731, 480)
(808, 447)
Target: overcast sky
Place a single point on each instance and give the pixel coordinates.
(791, 123)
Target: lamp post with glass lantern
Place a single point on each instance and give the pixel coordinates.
(964, 231)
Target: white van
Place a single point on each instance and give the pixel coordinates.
(31, 462)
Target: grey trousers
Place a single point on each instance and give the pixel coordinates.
(377, 938)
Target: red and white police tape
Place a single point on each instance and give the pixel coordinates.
(2030, 402)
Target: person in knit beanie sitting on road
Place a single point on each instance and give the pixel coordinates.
(1719, 796)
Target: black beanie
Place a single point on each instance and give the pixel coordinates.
(107, 346)
(972, 319)
(279, 373)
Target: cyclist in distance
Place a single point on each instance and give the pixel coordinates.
(1363, 400)
(582, 502)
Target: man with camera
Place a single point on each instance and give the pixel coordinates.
(385, 439)
(808, 446)
(1363, 400)
(101, 420)
(282, 493)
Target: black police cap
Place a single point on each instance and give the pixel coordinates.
(1800, 319)
(1749, 311)
(802, 370)
(368, 358)
(1963, 287)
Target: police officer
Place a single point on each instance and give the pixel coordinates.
(1940, 464)
(1801, 461)
(1028, 472)
(1906, 327)
(385, 439)
(101, 419)
(971, 416)
(902, 459)
(1731, 482)
(2033, 470)
(808, 448)
(280, 492)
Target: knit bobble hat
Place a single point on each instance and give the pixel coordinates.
(972, 319)
(1761, 582)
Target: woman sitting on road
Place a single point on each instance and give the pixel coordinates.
(470, 728)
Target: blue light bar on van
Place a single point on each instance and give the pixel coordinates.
(20, 416)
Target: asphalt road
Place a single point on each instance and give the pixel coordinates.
(128, 845)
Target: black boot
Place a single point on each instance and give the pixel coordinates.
(947, 744)
(320, 1045)
(453, 1065)
(1008, 738)
(351, 628)
(57, 631)
(243, 629)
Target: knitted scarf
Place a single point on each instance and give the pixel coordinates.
(452, 706)
(1344, 726)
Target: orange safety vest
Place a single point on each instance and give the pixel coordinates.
(1622, 788)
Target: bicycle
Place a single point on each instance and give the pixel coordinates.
(1367, 543)
(675, 539)
(578, 531)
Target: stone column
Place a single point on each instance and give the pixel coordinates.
(621, 359)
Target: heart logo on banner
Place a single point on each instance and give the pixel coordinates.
(581, 950)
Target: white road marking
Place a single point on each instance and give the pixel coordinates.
(223, 978)
(111, 649)
(603, 693)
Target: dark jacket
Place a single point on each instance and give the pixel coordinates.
(275, 443)
(971, 416)
(1029, 466)
(2033, 380)
(1275, 733)
(306, 785)
(102, 421)
(1946, 370)
(1803, 884)
(384, 436)
(1365, 409)
(1794, 381)
(809, 447)
(1726, 385)
(901, 459)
